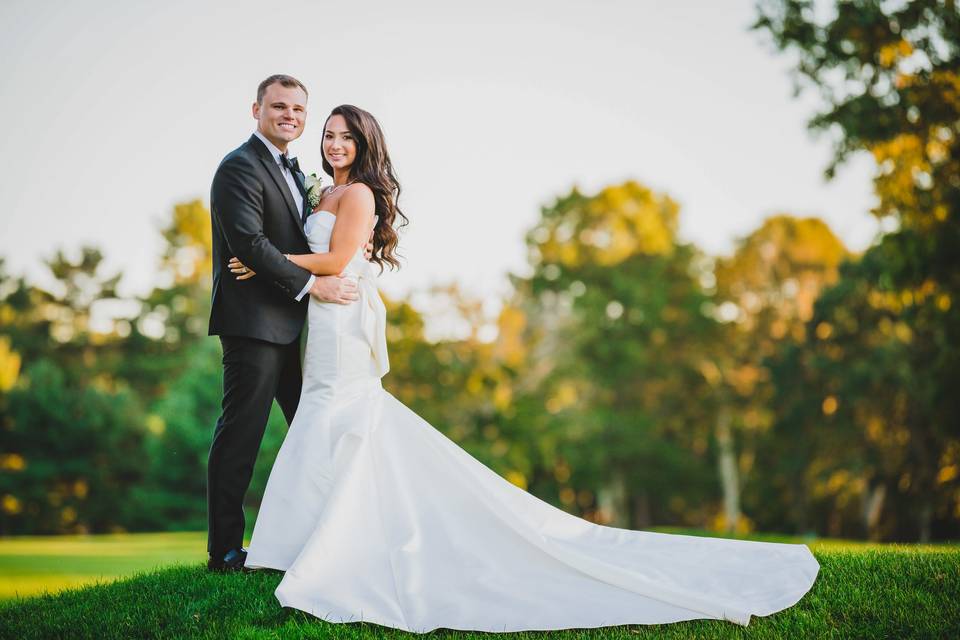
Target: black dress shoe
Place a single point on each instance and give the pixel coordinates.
(231, 561)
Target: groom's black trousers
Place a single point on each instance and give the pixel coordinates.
(254, 373)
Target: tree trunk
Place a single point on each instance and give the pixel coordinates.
(727, 466)
(872, 508)
(612, 499)
(641, 510)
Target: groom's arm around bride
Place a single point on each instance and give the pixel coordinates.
(251, 220)
(237, 191)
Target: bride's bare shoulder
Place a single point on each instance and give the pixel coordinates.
(359, 188)
(358, 196)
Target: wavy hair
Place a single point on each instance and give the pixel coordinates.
(373, 168)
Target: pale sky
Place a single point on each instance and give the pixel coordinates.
(115, 111)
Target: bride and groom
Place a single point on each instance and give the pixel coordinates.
(371, 512)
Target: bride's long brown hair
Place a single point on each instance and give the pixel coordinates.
(373, 168)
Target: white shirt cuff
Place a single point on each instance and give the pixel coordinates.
(306, 288)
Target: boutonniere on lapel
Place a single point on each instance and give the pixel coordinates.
(312, 184)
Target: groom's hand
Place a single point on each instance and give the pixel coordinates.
(243, 272)
(335, 289)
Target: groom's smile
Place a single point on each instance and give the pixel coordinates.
(281, 114)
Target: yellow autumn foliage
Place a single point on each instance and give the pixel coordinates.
(890, 54)
(510, 346)
(619, 222)
(191, 223)
(9, 365)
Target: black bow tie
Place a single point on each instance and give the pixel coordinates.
(290, 163)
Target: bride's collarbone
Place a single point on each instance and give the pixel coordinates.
(329, 203)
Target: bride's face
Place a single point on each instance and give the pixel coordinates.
(339, 145)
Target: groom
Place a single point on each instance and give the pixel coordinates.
(258, 206)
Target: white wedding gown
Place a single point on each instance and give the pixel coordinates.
(375, 515)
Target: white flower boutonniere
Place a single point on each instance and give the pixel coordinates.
(312, 184)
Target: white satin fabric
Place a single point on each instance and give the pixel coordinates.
(375, 515)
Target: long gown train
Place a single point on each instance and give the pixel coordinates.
(375, 515)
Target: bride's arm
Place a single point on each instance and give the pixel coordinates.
(354, 215)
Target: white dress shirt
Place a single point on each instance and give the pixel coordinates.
(294, 191)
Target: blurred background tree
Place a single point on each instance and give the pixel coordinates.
(888, 75)
(765, 294)
(620, 310)
(71, 432)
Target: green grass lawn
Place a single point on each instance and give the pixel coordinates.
(863, 591)
(31, 565)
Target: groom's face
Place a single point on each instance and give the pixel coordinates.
(281, 115)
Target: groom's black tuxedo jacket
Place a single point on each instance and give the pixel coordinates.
(254, 217)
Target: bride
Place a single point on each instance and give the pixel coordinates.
(375, 515)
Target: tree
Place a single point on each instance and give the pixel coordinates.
(620, 312)
(766, 291)
(69, 443)
(172, 318)
(72, 451)
(889, 78)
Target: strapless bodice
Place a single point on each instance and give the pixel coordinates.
(314, 218)
(318, 229)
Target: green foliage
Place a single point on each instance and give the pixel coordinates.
(884, 349)
(180, 430)
(79, 451)
(765, 293)
(172, 318)
(883, 364)
(617, 322)
(882, 70)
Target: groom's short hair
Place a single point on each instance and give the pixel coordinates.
(287, 81)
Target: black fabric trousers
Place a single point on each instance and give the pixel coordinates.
(254, 373)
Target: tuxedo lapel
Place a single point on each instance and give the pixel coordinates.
(274, 170)
(300, 179)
